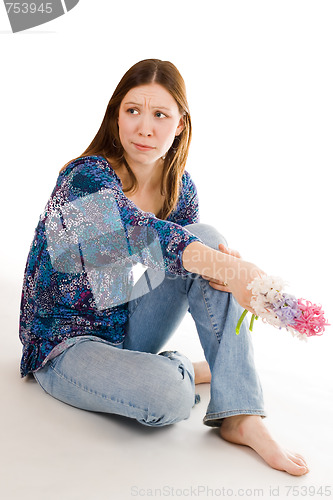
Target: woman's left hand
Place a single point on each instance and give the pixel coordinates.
(220, 285)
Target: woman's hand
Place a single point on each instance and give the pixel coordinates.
(238, 277)
(217, 284)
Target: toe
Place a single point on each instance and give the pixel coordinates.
(285, 461)
(297, 458)
(296, 466)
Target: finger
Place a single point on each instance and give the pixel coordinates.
(219, 287)
(229, 251)
(213, 280)
(235, 253)
(218, 282)
(223, 248)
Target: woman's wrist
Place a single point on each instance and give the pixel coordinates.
(201, 259)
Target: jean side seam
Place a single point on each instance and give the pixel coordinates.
(210, 315)
(61, 375)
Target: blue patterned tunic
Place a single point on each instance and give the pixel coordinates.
(59, 301)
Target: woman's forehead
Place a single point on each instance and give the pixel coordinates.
(152, 94)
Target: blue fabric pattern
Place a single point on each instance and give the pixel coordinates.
(58, 305)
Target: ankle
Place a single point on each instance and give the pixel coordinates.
(241, 420)
(201, 372)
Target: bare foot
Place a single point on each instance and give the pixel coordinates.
(202, 372)
(249, 430)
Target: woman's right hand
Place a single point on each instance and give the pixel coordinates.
(219, 266)
(238, 276)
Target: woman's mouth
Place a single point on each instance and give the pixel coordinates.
(143, 147)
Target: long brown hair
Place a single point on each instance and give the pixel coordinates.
(107, 143)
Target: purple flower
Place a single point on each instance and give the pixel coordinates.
(286, 309)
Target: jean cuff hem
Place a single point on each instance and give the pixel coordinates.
(215, 419)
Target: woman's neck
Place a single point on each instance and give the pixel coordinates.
(148, 176)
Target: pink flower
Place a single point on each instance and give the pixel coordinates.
(311, 321)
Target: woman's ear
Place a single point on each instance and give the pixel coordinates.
(180, 127)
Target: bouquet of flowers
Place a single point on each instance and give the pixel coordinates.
(282, 310)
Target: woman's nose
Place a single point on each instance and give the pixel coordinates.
(145, 126)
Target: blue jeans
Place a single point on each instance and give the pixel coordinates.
(132, 380)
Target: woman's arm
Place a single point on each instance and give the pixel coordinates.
(237, 273)
(91, 194)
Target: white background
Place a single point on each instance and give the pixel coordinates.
(259, 78)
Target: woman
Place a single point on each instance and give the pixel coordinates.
(91, 329)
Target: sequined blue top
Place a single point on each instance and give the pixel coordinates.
(80, 263)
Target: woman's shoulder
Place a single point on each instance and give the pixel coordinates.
(87, 174)
(188, 185)
(90, 165)
(91, 160)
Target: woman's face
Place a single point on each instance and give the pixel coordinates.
(148, 122)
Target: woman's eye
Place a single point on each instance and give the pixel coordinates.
(132, 111)
(159, 114)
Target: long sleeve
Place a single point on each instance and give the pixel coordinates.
(93, 206)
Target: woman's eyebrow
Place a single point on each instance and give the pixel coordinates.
(161, 107)
(133, 103)
(154, 107)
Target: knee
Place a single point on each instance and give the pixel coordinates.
(208, 234)
(173, 402)
(173, 407)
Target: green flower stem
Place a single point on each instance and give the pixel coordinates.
(240, 321)
(252, 321)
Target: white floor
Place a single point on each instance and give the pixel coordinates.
(54, 451)
(261, 159)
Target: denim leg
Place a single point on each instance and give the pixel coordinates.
(155, 316)
(235, 385)
(156, 390)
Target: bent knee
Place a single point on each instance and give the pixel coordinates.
(172, 403)
(208, 234)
